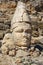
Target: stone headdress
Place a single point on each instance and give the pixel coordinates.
(20, 15)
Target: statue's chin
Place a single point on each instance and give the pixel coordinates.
(24, 44)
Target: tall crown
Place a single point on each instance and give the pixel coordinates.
(20, 14)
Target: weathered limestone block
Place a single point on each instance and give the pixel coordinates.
(7, 43)
(4, 27)
(12, 53)
(37, 39)
(21, 53)
(35, 54)
(4, 49)
(33, 18)
(40, 32)
(35, 34)
(7, 22)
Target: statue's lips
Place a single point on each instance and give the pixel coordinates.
(23, 42)
(25, 39)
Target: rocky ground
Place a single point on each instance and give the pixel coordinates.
(35, 11)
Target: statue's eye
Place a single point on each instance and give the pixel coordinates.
(28, 31)
(7, 38)
(20, 30)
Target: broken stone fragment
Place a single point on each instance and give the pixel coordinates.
(21, 53)
(12, 53)
(8, 43)
(37, 39)
(35, 34)
(35, 54)
(4, 49)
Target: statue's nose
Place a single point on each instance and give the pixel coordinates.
(24, 34)
(3, 42)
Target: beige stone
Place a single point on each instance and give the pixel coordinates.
(33, 18)
(33, 64)
(6, 37)
(35, 54)
(18, 60)
(37, 50)
(8, 41)
(32, 49)
(7, 44)
(21, 53)
(4, 49)
(37, 39)
(42, 53)
(12, 53)
(35, 34)
(26, 17)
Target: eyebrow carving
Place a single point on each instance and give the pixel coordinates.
(19, 30)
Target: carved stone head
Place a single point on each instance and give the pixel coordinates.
(22, 34)
(20, 25)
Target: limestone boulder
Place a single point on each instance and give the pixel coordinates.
(21, 53)
(37, 40)
(12, 53)
(4, 49)
(6, 60)
(33, 18)
(7, 43)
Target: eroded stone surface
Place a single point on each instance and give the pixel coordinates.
(7, 44)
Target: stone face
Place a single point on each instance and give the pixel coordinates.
(22, 34)
(6, 38)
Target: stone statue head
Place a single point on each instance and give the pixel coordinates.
(22, 34)
(20, 25)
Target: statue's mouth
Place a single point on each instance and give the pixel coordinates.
(25, 39)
